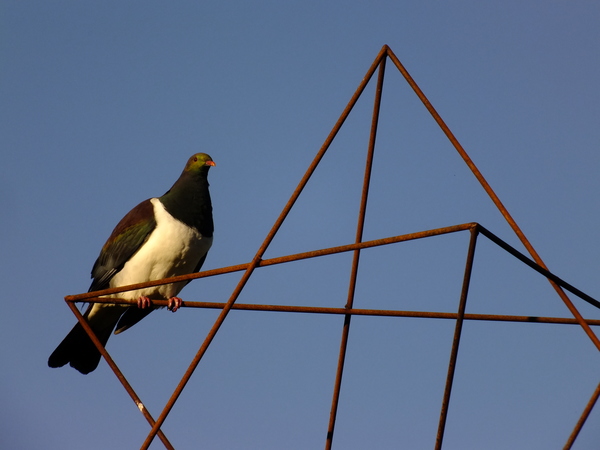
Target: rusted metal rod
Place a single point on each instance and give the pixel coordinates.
(460, 316)
(356, 256)
(138, 402)
(356, 311)
(583, 418)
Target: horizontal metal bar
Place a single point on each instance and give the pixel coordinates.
(353, 311)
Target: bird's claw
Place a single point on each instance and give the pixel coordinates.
(144, 302)
(174, 304)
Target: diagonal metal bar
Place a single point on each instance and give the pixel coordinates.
(356, 257)
(86, 326)
(456, 340)
(488, 189)
(583, 418)
(257, 258)
(83, 297)
(542, 270)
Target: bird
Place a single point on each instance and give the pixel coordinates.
(161, 237)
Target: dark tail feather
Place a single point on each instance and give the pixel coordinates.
(78, 349)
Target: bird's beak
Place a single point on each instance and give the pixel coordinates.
(210, 163)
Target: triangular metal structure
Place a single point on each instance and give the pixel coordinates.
(533, 260)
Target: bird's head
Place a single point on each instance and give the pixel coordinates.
(199, 164)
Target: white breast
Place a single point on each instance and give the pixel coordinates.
(172, 249)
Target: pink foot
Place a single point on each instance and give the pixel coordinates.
(144, 302)
(174, 304)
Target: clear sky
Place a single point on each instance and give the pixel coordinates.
(102, 103)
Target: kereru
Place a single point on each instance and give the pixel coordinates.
(159, 238)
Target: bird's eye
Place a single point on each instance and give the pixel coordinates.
(195, 159)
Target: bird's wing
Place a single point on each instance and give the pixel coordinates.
(126, 239)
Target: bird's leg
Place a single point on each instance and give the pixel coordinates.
(174, 304)
(144, 302)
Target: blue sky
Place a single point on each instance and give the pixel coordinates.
(103, 102)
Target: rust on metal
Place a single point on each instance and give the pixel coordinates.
(460, 317)
(357, 311)
(356, 256)
(584, 416)
(118, 373)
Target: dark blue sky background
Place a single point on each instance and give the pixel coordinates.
(103, 102)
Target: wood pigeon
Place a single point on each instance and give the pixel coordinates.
(159, 238)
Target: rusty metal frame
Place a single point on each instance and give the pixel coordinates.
(535, 262)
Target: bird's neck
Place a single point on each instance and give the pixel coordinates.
(189, 202)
